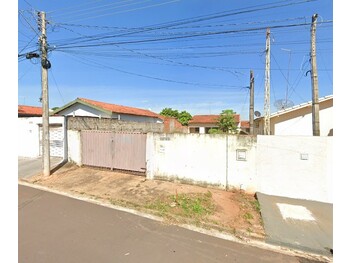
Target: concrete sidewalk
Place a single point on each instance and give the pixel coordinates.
(299, 224)
(28, 167)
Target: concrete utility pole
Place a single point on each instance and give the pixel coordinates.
(251, 104)
(267, 86)
(314, 81)
(45, 64)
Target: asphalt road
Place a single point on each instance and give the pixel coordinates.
(28, 167)
(55, 228)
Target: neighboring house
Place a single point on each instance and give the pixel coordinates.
(29, 126)
(29, 111)
(203, 123)
(243, 127)
(297, 120)
(172, 125)
(90, 108)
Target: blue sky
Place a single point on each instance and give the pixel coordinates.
(192, 55)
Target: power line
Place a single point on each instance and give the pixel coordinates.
(179, 37)
(157, 78)
(96, 8)
(27, 44)
(57, 86)
(255, 8)
(126, 11)
(72, 7)
(29, 24)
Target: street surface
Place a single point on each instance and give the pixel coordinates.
(54, 228)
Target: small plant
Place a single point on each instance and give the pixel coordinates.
(256, 205)
(248, 216)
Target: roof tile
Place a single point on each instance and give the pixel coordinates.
(120, 109)
(29, 110)
(208, 119)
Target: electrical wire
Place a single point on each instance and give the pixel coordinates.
(125, 11)
(180, 37)
(59, 92)
(157, 78)
(209, 17)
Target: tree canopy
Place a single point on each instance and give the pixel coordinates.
(183, 117)
(226, 121)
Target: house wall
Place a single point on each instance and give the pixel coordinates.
(172, 125)
(202, 159)
(88, 123)
(295, 166)
(83, 110)
(201, 127)
(299, 122)
(28, 135)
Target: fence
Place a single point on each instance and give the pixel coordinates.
(291, 166)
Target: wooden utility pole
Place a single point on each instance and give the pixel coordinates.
(45, 95)
(267, 86)
(251, 104)
(314, 81)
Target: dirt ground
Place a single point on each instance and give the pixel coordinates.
(234, 211)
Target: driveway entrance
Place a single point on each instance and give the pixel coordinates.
(28, 167)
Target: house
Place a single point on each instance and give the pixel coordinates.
(243, 127)
(297, 120)
(30, 128)
(29, 111)
(90, 108)
(172, 125)
(203, 123)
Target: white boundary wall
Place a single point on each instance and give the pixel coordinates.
(289, 166)
(74, 147)
(295, 166)
(28, 135)
(202, 159)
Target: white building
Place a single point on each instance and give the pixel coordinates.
(90, 108)
(297, 120)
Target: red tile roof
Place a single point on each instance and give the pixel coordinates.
(245, 124)
(208, 119)
(29, 111)
(204, 119)
(120, 109)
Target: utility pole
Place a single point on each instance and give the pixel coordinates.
(314, 81)
(45, 64)
(267, 86)
(251, 104)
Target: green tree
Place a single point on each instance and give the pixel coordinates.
(183, 117)
(169, 112)
(226, 121)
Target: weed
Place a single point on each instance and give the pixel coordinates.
(248, 216)
(194, 206)
(256, 205)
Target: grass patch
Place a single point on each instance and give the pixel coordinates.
(196, 206)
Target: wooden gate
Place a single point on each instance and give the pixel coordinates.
(123, 151)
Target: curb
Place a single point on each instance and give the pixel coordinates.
(213, 233)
